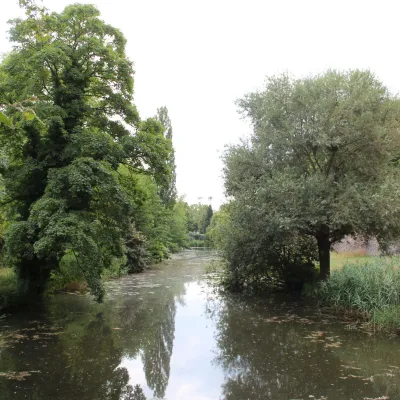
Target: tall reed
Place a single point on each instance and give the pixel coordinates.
(371, 289)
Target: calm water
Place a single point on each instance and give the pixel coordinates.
(167, 334)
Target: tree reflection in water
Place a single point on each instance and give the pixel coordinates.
(84, 364)
(266, 355)
(75, 349)
(149, 333)
(83, 357)
(157, 350)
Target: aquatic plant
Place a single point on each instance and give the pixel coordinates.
(370, 289)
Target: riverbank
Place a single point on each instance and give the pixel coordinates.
(366, 288)
(370, 290)
(68, 279)
(363, 288)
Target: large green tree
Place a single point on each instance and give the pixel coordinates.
(318, 163)
(68, 87)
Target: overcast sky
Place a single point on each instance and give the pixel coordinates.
(198, 57)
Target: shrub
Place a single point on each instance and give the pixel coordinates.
(68, 273)
(137, 254)
(283, 258)
(117, 268)
(197, 243)
(10, 290)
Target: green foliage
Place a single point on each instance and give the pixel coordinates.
(117, 268)
(371, 289)
(5, 120)
(199, 217)
(138, 257)
(61, 89)
(207, 219)
(67, 272)
(178, 236)
(318, 165)
(151, 218)
(168, 192)
(10, 289)
(159, 228)
(217, 231)
(197, 243)
(258, 252)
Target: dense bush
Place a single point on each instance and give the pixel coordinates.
(11, 292)
(277, 264)
(138, 257)
(260, 252)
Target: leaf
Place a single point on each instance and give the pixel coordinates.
(29, 115)
(5, 120)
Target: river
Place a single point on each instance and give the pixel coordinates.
(169, 334)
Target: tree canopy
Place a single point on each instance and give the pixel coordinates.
(318, 164)
(168, 190)
(68, 125)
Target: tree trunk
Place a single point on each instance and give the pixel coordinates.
(324, 251)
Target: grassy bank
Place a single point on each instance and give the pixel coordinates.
(67, 278)
(369, 288)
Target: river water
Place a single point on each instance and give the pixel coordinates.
(169, 334)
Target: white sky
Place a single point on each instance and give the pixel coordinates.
(198, 57)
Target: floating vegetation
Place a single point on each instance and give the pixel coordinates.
(289, 318)
(40, 332)
(17, 375)
(376, 398)
(320, 337)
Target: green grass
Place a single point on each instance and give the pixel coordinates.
(366, 286)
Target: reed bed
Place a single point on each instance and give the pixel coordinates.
(369, 289)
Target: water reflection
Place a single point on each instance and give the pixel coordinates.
(167, 334)
(271, 351)
(74, 348)
(51, 364)
(157, 350)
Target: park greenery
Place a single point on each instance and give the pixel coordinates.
(320, 164)
(88, 188)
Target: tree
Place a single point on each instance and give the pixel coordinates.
(206, 219)
(168, 191)
(319, 161)
(178, 235)
(199, 217)
(78, 125)
(218, 230)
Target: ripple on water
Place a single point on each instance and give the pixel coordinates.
(171, 334)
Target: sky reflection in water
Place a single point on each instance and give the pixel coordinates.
(170, 333)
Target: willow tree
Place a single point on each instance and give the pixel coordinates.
(68, 88)
(319, 162)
